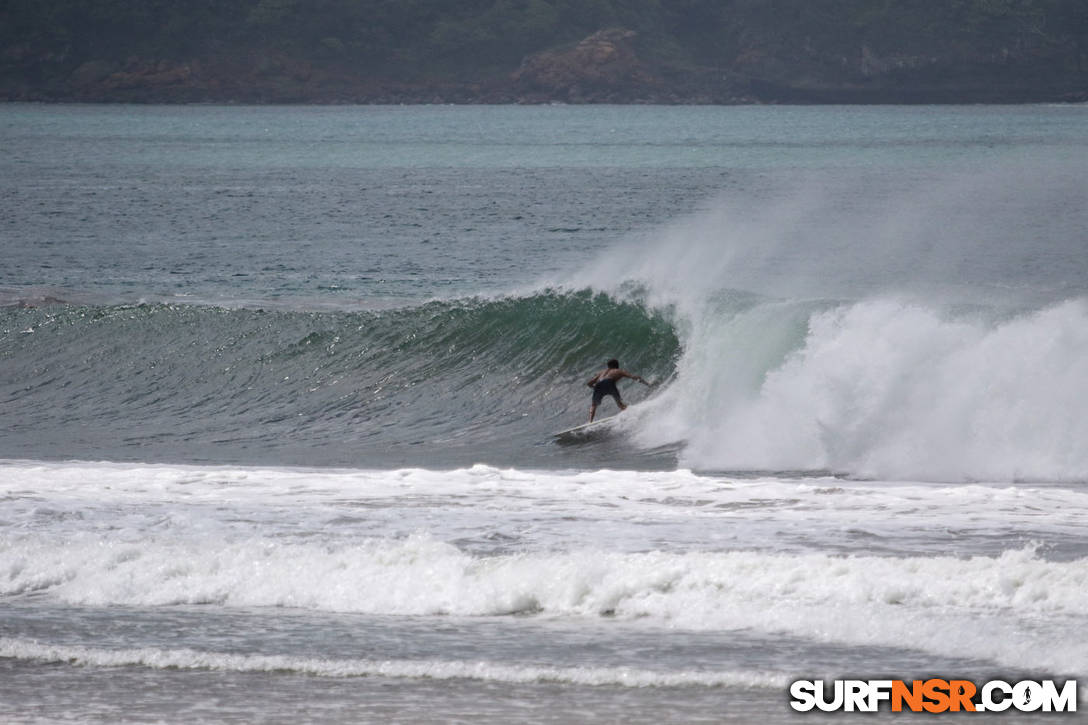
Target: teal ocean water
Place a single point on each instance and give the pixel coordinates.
(279, 386)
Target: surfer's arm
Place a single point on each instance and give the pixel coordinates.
(593, 380)
(634, 377)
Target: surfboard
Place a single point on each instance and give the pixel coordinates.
(586, 430)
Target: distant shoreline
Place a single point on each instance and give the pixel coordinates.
(181, 86)
(699, 52)
(425, 96)
(603, 68)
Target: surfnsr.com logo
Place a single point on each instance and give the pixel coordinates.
(933, 695)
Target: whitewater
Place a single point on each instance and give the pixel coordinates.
(279, 389)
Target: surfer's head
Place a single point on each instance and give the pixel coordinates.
(613, 363)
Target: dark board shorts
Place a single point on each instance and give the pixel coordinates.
(603, 388)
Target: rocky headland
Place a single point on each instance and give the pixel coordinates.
(771, 53)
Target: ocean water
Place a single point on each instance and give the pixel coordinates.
(278, 387)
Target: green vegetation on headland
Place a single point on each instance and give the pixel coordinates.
(530, 51)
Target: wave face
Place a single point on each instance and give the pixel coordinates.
(884, 388)
(462, 380)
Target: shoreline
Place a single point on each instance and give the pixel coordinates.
(1067, 100)
(540, 81)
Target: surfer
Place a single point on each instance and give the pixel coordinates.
(604, 383)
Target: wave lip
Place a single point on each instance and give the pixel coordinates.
(189, 659)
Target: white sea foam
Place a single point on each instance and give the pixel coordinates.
(622, 511)
(1015, 609)
(894, 390)
(190, 659)
(420, 575)
(656, 549)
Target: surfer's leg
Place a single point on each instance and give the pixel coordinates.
(592, 411)
(619, 402)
